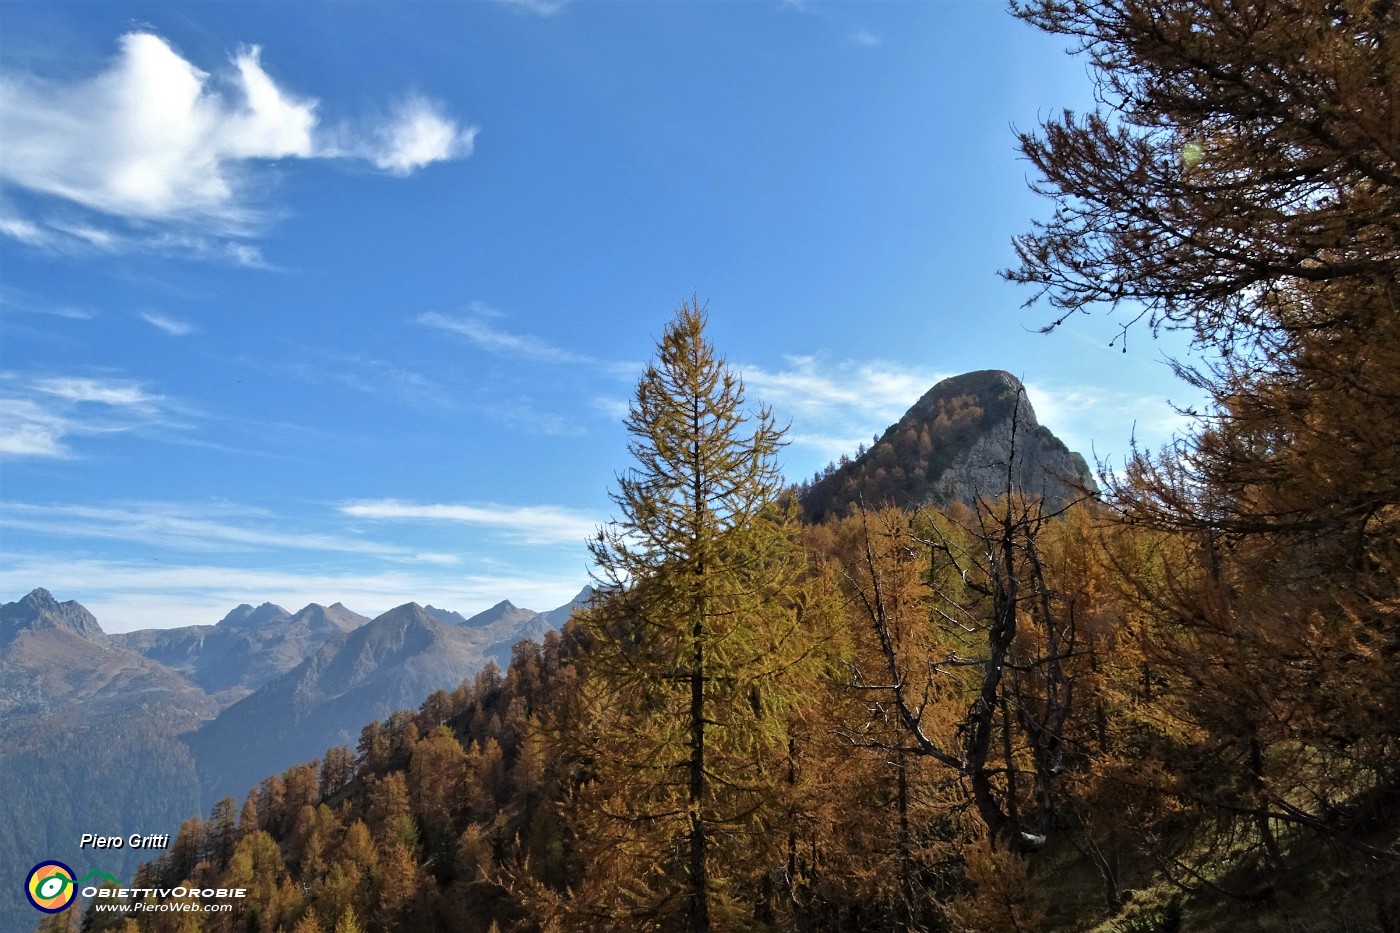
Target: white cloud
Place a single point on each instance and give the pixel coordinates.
(615, 408)
(155, 138)
(829, 446)
(151, 137)
(1093, 418)
(538, 7)
(865, 37)
(817, 390)
(28, 429)
(167, 324)
(418, 135)
(499, 342)
(100, 391)
(530, 524)
(836, 406)
(186, 527)
(38, 415)
(25, 231)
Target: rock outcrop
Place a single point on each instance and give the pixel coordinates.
(969, 436)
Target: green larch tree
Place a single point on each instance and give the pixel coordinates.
(696, 642)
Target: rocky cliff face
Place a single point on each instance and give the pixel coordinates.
(967, 437)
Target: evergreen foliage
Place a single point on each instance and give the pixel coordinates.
(694, 651)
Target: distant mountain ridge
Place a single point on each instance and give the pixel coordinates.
(956, 443)
(133, 732)
(355, 678)
(246, 649)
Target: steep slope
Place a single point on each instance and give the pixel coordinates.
(55, 661)
(176, 648)
(955, 444)
(504, 613)
(356, 677)
(88, 741)
(505, 635)
(555, 618)
(505, 623)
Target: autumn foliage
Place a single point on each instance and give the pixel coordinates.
(1176, 706)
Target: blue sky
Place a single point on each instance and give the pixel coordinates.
(316, 302)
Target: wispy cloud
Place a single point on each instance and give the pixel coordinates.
(28, 429)
(416, 133)
(529, 524)
(38, 415)
(371, 376)
(169, 325)
(477, 327)
(1094, 418)
(865, 37)
(537, 7)
(823, 390)
(186, 527)
(30, 304)
(88, 239)
(502, 343)
(521, 413)
(101, 391)
(17, 228)
(615, 408)
(153, 138)
(420, 134)
(834, 406)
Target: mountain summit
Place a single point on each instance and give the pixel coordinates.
(39, 610)
(953, 445)
(246, 649)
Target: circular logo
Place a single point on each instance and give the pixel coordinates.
(50, 887)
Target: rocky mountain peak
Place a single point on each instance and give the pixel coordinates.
(236, 615)
(504, 611)
(332, 617)
(246, 617)
(39, 610)
(956, 443)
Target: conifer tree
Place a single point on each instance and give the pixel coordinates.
(1240, 183)
(348, 922)
(694, 648)
(308, 923)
